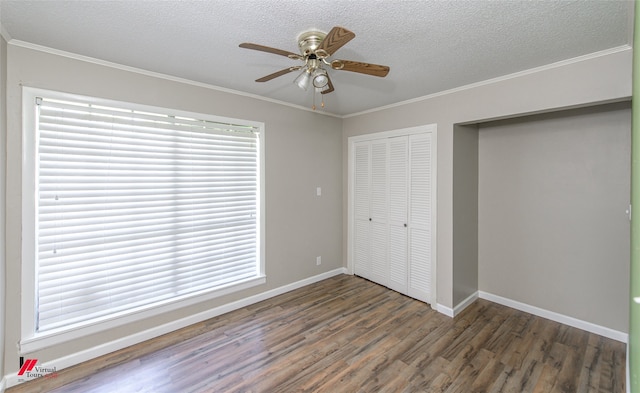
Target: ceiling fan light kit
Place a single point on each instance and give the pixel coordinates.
(315, 48)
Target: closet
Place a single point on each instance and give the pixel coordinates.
(392, 198)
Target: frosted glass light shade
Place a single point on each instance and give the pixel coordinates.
(302, 81)
(320, 78)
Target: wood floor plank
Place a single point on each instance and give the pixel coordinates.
(551, 369)
(346, 334)
(489, 374)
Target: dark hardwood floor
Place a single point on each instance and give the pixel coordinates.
(346, 334)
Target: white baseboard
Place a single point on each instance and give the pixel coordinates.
(448, 311)
(465, 303)
(452, 312)
(557, 317)
(103, 349)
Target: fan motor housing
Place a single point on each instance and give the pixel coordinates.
(309, 41)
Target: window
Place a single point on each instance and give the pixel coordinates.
(134, 209)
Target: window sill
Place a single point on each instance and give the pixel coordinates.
(59, 336)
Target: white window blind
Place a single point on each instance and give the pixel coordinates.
(134, 209)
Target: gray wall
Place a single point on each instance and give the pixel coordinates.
(553, 232)
(303, 151)
(465, 214)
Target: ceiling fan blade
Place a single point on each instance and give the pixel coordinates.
(262, 48)
(363, 68)
(277, 74)
(335, 39)
(329, 88)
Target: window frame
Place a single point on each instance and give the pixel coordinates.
(30, 339)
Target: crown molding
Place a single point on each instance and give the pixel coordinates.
(562, 63)
(158, 75)
(93, 60)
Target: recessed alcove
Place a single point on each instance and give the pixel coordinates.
(540, 212)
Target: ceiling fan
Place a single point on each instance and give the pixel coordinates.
(315, 49)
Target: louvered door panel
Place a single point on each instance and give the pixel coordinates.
(361, 201)
(398, 155)
(419, 265)
(420, 211)
(379, 211)
(379, 261)
(379, 186)
(362, 249)
(361, 187)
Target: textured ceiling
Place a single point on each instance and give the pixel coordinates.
(431, 46)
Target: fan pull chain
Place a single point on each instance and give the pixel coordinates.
(321, 101)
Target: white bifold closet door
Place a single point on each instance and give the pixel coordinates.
(392, 212)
